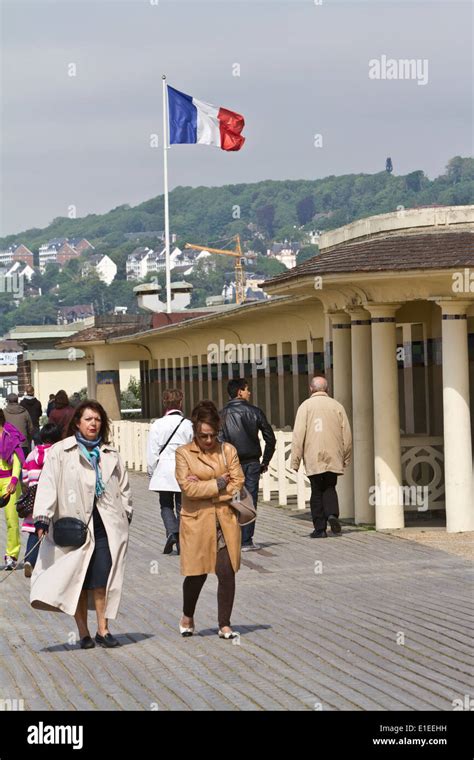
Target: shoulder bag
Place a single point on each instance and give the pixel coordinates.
(70, 531)
(26, 502)
(242, 502)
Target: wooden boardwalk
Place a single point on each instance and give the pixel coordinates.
(365, 621)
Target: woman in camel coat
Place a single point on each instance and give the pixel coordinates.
(83, 477)
(209, 474)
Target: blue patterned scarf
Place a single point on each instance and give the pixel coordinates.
(92, 452)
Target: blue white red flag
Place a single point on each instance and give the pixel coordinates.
(192, 121)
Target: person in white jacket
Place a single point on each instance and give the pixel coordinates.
(166, 434)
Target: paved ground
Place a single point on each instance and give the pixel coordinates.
(365, 621)
(459, 544)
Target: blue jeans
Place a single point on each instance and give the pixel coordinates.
(251, 472)
(32, 540)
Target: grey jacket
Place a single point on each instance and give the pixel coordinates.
(17, 416)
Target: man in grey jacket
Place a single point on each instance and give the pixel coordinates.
(17, 416)
(322, 439)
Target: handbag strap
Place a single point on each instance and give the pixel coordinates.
(172, 434)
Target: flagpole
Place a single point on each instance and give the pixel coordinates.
(167, 220)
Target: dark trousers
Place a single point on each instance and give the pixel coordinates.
(225, 589)
(31, 544)
(170, 504)
(323, 500)
(251, 472)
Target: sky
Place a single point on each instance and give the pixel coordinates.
(84, 141)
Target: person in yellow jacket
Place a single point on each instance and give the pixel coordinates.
(11, 459)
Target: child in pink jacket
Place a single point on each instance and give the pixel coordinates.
(49, 434)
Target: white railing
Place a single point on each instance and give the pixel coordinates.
(422, 464)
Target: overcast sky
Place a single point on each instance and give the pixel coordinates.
(304, 70)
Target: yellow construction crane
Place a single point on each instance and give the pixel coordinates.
(239, 272)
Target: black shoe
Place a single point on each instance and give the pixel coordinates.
(170, 542)
(335, 525)
(318, 534)
(108, 640)
(87, 643)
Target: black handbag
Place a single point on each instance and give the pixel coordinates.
(70, 531)
(26, 503)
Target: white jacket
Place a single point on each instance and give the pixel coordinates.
(161, 467)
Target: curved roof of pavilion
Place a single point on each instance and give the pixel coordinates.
(397, 253)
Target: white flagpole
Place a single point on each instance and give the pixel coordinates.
(167, 220)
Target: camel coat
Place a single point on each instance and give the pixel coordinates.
(66, 488)
(202, 502)
(321, 436)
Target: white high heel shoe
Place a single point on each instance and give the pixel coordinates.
(228, 635)
(184, 631)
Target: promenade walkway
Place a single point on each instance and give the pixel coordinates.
(365, 621)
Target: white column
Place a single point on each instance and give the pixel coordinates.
(458, 464)
(294, 375)
(362, 415)
(281, 384)
(387, 454)
(219, 385)
(327, 339)
(200, 380)
(342, 392)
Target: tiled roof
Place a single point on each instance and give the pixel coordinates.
(393, 253)
(115, 329)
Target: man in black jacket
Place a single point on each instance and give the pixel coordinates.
(33, 407)
(241, 422)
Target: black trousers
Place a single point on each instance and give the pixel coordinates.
(225, 589)
(323, 500)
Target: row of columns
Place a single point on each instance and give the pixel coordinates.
(365, 381)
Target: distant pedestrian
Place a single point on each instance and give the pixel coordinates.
(209, 475)
(11, 459)
(20, 418)
(31, 472)
(50, 406)
(166, 434)
(75, 400)
(62, 412)
(322, 439)
(83, 478)
(241, 423)
(33, 407)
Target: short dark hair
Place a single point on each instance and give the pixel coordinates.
(50, 433)
(172, 398)
(2, 417)
(205, 412)
(96, 407)
(236, 385)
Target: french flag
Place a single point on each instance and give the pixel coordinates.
(192, 121)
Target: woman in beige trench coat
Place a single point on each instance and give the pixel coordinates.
(83, 477)
(209, 474)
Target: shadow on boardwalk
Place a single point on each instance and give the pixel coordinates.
(365, 621)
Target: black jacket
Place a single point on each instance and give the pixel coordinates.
(241, 422)
(33, 406)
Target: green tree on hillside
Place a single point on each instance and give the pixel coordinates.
(305, 209)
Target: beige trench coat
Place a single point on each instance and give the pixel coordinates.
(321, 436)
(66, 488)
(202, 502)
